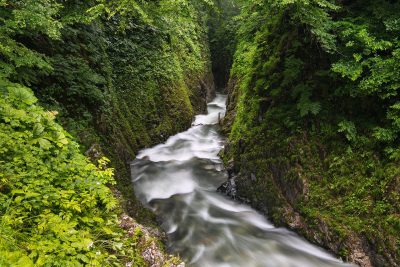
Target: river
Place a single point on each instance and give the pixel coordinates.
(178, 181)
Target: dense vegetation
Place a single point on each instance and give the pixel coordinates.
(222, 27)
(118, 76)
(314, 121)
(313, 117)
(55, 205)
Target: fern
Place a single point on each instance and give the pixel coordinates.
(349, 130)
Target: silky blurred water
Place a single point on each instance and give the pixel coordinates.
(178, 181)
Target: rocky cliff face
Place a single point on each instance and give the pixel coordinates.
(281, 175)
(279, 202)
(305, 125)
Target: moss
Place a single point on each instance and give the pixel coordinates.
(131, 89)
(282, 123)
(350, 190)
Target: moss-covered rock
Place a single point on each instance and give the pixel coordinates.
(301, 138)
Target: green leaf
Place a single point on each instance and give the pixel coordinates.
(22, 94)
(44, 143)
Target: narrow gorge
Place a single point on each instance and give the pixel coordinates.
(205, 133)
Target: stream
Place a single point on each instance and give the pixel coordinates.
(178, 181)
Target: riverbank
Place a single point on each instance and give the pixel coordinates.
(312, 142)
(81, 81)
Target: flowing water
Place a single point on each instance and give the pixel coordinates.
(178, 181)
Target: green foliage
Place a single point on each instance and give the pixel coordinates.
(123, 75)
(157, 69)
(370, 62)
(58, 56)
(305, 105)
(222, 39)
(120, 75)
(126, 9)
(309, 50)
(349, 129)
(315, 103)
(56, 206)
(25, 18)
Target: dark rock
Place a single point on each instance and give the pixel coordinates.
(229, 188)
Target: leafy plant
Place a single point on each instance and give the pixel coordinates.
(349, 129)
(56, 206)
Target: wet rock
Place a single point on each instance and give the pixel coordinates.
(229, 188)
(359, 250)
(151, 252)
(293, 219)
(358, 254)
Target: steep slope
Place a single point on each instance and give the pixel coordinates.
(313, 122)
(117, 75)
(120, 82)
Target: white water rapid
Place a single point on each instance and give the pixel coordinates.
(178, 181)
